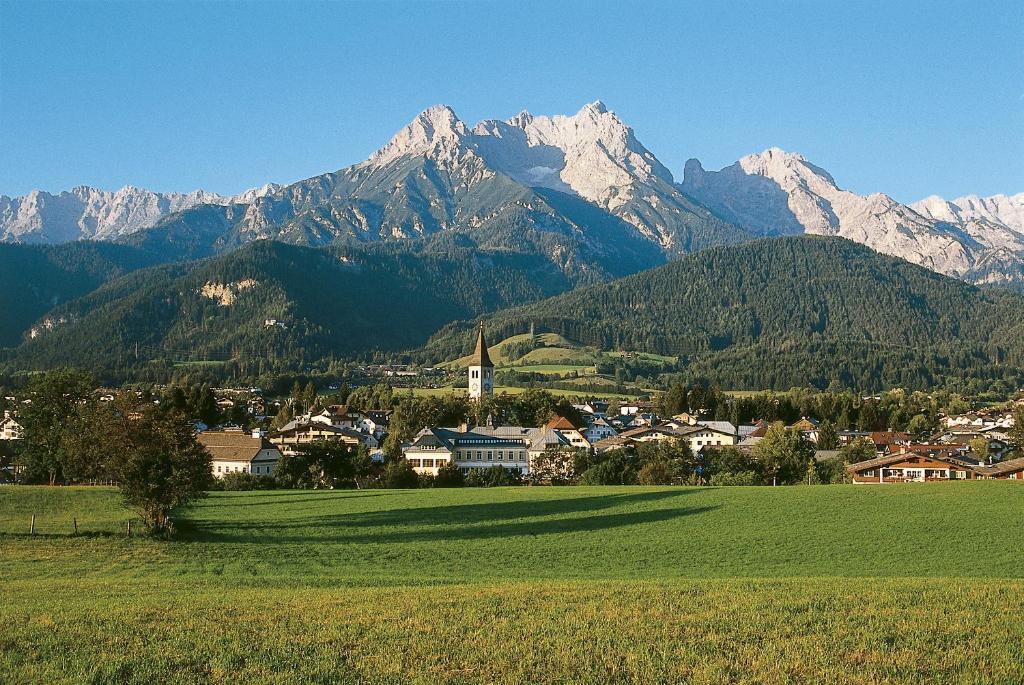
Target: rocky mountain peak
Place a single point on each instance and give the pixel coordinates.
(436, 127)
(1005, 210)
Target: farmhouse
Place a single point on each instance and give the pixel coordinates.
(234, 451)
(705, 435)
(906, 467)
(630, 437)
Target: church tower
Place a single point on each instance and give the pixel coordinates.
(481, 370)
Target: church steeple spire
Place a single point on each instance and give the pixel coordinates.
(480, 356)
(481, 369)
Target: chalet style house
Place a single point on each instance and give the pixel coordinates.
(235, 451)
(598, 428)
(564, 427)
(915, 467)
(300, 432)
(909, 467)
(1012, 469)
(696, 436)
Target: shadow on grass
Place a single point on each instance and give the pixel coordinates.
(453, 522)
(271, 498)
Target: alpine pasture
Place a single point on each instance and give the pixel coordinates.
(820, 584)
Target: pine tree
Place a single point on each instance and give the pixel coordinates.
(284, 417)
(828, 438)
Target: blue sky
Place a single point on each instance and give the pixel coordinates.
(900, 97)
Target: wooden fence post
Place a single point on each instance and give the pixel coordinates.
(32, 526)
(75, 519)
(129, 527)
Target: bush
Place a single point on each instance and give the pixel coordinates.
(496, 476)
(234, 482)
(739, 478)
(655, 473)
(449, 476)
(832, 471)
(606, 473)
(400, 474)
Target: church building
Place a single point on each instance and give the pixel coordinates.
(481, 370)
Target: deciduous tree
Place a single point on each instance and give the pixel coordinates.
(53, 397)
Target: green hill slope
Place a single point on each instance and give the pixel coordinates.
(273, 306)
(788, 311)
(34, 279)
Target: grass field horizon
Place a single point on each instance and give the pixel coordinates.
(576, 584)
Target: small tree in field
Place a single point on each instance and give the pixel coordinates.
(554, 466)
(656, 473)
(979, 449)
(161, 466)
(151, 453)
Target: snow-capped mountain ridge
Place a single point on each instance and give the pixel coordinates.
(592, 154)
(776, 192)
(1007, 210)
(438, 174)
(87, 213)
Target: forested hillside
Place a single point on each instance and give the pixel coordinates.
(274, 306)
(784, 312)
(34, 279)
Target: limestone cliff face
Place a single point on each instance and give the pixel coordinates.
(86, 213)
(777, 193)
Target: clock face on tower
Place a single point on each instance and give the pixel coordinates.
(474, 387)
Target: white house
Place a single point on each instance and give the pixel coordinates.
(511, 447)
(235, 451)
(374, 423)
(564, 427)
(701, 436)
(980, 421)
(9, 428)
(598, 429)
(697, 437)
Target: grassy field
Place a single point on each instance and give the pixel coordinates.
(552, 369)
(911, 584)
(495, 351)
(511, 390)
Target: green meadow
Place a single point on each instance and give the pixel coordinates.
(831, 584)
